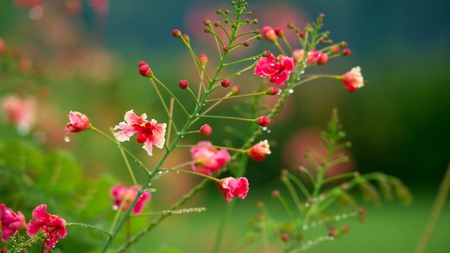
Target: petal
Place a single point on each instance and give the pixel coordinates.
(131, 118)
(40, 213)
(148, 147)
(33, 227)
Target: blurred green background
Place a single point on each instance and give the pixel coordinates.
(398, 123)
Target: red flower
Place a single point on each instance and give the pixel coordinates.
(10, 221)
(353, 79)
(234, 187)
(121, 193)
(78, 122)
(53, 226)
(278, 72)
(259, 151)
(149, 132)
(208, 159)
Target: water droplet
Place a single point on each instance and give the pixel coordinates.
(182, 136)
(305, 227)
(115, 207)
(203, 105)
(337, 217)
(344, 216)
(291, 91)
(160, 172)
(264, 128)
(268, 131)
(66, 138)
(313, 224)
(178, 172)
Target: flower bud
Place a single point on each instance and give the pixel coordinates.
(263, 121)
(183, 84)
(302, 34)
(145, 71)
(186, 38)
(206, 130)
(259, 151)
(335, 49)
(323, 59)
(332, 233)
(207, 22)
(269, 34)
(275, 193)
(346, 52)
(203, 59)
(246, 43)
(225, 48)
(266, 53)
(2, 46)
(235, 90)
(272, 91)
(176, 33)
(285, 237)
(225, 83)
(279, 32)
(343, 44)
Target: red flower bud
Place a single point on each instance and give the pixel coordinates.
(186, 38)
(343, 44)
(332, 233)
(263, 121)
(176, 33)
(145, 71)
(225, 83)
(346, 52)
(207, 22)
(285, 237)
(279, 32)
(206, 130)
(246, 43)
(203, 59)
(335, 49)
(323, 59)
(275, 193)
(183, 84)
(302, 34)
(273, 91)
(269, 34)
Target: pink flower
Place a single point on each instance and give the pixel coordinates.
(20, 112)
(53, 226)
(278, 72)
(126, 195)
(314, 56)
(259, 151)
(149, 132)
(10, 221)
(78, 122)
(353, 79)
(234, 187)
(208, 159)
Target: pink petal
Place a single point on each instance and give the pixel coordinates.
(148, 147)
(40, 213)
(131, 118)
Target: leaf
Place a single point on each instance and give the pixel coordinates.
(385, 187)
(402, 191)
(369, 192)
(22, 155)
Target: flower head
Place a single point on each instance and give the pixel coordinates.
(208, 159)
(78, 122)
(53, 226)
(20, 112)
(234, 187)
(124, 196)
(353, 79)
(10, 221)
(149, 132)
(277, 71)
(269, 34)
(259, 151)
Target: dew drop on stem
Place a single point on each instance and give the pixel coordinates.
(66, 138)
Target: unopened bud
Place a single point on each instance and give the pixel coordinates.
(343, 44)
(273, 91)
(176, 33)
(275, 193)
(235, 90)
(225, 83)
(207, 22)
(246, 43)
(279, 32)
(225, 49)
(332, 233)
(269, 34)
(183, 84)
(206, 130)
(335, 49)
(346, 52)
(266, 53)
(302, 34)
(285, 237)
(145, 71)
(263, 121)
(323, 59)
(203, 59)
(186, 38)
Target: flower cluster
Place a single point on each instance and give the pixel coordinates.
(277, 69)
(53, 226)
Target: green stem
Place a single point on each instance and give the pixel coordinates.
(435, 212)
(223, 223)
(88, 226)
(126, 162)
(237, 96)
(213, 146)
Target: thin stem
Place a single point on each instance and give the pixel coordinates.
(171, 94)
(195, 173)
(238, 73)
(223, 223)
(340, 176)
(237, 96)
(300, 185)
(286, 206)
(293, 194)
(226, 117)
(126, 162)
(176, 211)
(310, 78)
(170, 119)
(435, 212)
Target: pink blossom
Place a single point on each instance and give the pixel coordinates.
(313, 56)
(20, 112)
(78, 122)
(126, 195)
(208, 159)
(149, 132)
(278, 72)
(353, 79)
(234, 187)
(259, 151)
(53, 226)
(10, 221)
